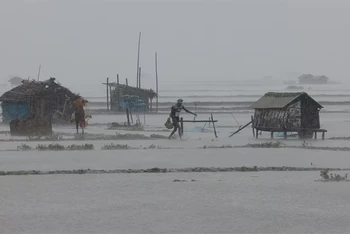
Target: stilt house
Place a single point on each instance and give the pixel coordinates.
(116, 91)
(287, 112)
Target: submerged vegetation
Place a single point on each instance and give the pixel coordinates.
(58, 147)
(113, 146)
(24, 147)
(332, 176)
(277, 144)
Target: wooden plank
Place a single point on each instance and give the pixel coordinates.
(290, 129)
(200, 121)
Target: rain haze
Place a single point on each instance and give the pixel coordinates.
(83, 42)
(261, 144)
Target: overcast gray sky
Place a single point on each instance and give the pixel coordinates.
(88, 40)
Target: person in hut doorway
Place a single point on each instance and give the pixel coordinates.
(80, 114)
(175, 116)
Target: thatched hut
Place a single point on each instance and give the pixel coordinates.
(39, 101)
(287, 112)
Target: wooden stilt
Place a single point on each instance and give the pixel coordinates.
(111, 103)
(182, 126)
(252, 118)
(271, 135)
(323, 134)
(315, 135)
(127, 116)
(256, 133)
(212, 119)
(285, 135)
(116, 93)
(107, 85)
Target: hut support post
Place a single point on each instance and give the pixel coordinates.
(315, 135)
(285, 134)
(271, 135)
(256, 133)
(107, 85)
(212, 119)
(127, 116)
(111, 103)
(117, 94)
(323, 133)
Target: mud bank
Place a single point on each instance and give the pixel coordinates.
(89, 137)
(168, 170)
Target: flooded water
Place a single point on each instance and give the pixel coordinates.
(230, 202)
(264, 202)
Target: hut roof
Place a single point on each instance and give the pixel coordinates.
(280, 100)
(30, 89)
(133, 90)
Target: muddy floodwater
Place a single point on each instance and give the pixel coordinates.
(127, 201)
(262, 202)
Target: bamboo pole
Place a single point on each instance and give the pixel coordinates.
(39, 72)
(111, 103)
(242, 129)
(212, 119)
(107, 85)
(117, 94)
(138, 62)
(156, 66)
(140, 77)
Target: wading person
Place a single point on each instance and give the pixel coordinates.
(175, 116)
(80, 114)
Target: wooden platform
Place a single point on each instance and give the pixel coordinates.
(299, 131)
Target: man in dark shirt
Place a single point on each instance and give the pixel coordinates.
(175, 116)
